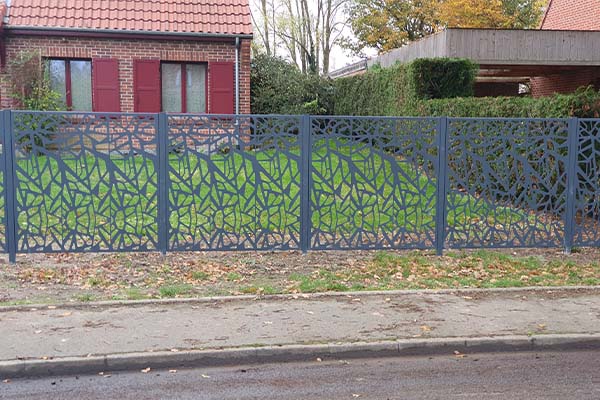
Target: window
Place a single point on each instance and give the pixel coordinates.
(183, 87)
(72, 79)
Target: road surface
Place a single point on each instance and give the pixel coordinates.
(506, 376)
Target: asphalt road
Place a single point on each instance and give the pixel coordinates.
(506, 376)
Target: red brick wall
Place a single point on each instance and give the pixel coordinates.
(566, 82)
(126, 51)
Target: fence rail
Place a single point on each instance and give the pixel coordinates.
(103, 182)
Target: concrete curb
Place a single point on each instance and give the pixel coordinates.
(288, 353)
(303, 296)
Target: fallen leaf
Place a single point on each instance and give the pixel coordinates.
(174, 350)
(425, 328)
(51, 307)
(205, 376)
(67, 314)
(146, 370)
(458, 354)
(355, 395)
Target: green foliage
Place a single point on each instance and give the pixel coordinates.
(394, 90)
(584, 103)
(31, 88)
(30, 83)
(278, 87)
(441, 78)
(377, 92)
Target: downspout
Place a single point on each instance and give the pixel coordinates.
(237, 75)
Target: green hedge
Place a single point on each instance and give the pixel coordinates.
(584, 103)
(278, 87)
(440, 78)
(392, 91)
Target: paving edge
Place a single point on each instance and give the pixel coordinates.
(289, 353)
(299, 296)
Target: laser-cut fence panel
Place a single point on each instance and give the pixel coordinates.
(76, 182)
(373, 182)
(507, 182)
(85, 181)
(587, 205)
(234, 182)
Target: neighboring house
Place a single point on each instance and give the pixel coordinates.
(571, 15)
(559, 58)
(135, 55)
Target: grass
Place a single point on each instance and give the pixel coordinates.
(479, 269)
(219, 196)
(46, 278)
(170, 291)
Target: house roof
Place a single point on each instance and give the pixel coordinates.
(211, 17)
(581, 15)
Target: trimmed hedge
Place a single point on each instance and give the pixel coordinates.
(584, 103)
(440, 78)
(392, 91)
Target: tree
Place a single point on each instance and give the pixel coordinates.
(515, 14)
(304, 31)
(389, 24)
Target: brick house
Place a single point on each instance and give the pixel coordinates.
(135, 55)
(570, 15)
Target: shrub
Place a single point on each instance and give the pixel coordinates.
(278, 87)
(440, 78)
(584, 103)
(395, 90)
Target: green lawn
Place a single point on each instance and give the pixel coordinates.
(356, 189)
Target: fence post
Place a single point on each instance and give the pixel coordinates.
(10, 191)
(305, 171)
(573, 150)
(441, 189)
(163, 186)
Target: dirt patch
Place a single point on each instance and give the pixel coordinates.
(89, 277)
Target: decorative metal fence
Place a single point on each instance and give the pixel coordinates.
(98, 182)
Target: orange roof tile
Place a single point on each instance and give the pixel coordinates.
(572, 15)
(226, 17)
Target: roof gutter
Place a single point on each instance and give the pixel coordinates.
(113, 32)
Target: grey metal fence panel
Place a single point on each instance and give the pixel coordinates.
(373, 182)
(234, 182)
(507, 182)
(587, 204)
(72, 181)
(85, 181)
(3, 180)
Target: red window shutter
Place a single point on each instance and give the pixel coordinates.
(146, 85)
(221, 87)
(106, 94)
